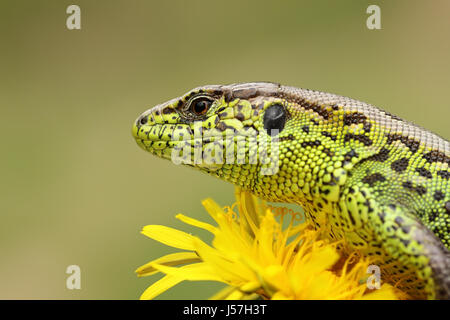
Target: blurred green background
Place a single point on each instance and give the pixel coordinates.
(76, 189)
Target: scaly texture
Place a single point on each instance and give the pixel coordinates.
(368, 176)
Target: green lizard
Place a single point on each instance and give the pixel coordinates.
(364, 174)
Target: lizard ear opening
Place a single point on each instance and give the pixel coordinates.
(274, 119)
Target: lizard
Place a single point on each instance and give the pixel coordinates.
(364, 174)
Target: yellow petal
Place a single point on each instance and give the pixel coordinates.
(212, 208)
(275, 274)
(196, 223)
(324, 258)
(229, 269)
(172, 259)
(169, 236)
(281, 296)
(247, 209)
(316, 288)
(160, 286)
(194, 272)
(235, 295)
(250, 286)
(265, 237)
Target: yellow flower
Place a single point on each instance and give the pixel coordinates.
(257, 256)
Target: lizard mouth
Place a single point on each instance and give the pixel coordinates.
(206, 150)
(182, 144)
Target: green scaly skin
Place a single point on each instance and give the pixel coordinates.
(366, 175)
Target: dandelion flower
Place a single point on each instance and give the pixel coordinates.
(258, 257)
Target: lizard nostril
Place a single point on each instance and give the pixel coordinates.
(143, 120)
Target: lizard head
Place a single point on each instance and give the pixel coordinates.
(248, 134)
(286, 144)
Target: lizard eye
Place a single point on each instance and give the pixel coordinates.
(274, 119)
(200, 105)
